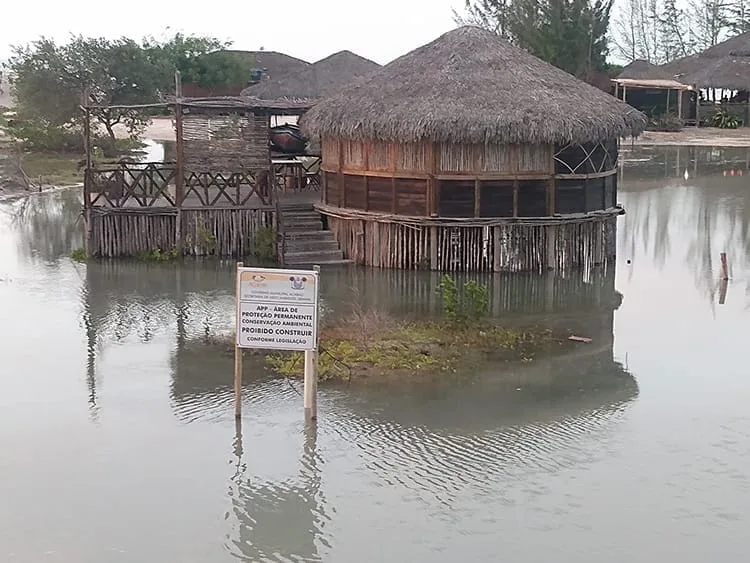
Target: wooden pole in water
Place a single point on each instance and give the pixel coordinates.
(179, 180)
(237, 352)
(724, 268)
(310, 393)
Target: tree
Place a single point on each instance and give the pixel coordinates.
(570, 34)
(201, 60)
(710, 21)
(51, 82)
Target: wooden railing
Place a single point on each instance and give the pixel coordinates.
(130, 185)
(154, 185)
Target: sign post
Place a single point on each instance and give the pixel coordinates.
(278, 310)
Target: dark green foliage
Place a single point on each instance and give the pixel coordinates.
(724, 120)
(570, 34)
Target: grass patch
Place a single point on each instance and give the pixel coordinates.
(370, 344)
(158, 255)
(57, 169)
(78, 255)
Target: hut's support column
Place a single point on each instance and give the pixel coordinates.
(599, 257)
(433, 248)
(552, 247)
(496, 249)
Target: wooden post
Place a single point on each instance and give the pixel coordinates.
(87, 175)
(679, 104)
(179, 179)
(310, 393)
(433, 247)
(552, 247)
(724, 268)
(237, 352)
(723, 292)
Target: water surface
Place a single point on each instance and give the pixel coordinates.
(119, 444)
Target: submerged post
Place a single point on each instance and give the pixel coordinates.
(724, 267)
(238, 354)
(311, 370)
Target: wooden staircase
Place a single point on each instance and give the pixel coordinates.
(305, 242)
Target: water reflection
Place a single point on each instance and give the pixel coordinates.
(274, 521)
(46, 225)
(675, 222)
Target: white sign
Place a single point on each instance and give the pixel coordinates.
(277, 309)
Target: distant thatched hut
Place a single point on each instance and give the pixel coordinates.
(318, 80)
(469, 153)
(636, 69)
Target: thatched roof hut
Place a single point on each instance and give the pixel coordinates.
(472, 86)
(636, 69)
(725, 65)
(483, 143)
(318, 80)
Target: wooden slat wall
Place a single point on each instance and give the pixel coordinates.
(499, 248)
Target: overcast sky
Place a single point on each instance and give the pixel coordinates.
(380, 30)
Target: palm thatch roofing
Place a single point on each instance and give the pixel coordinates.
(725, 65)
(318, 80)
(472, 86)
(272, 63)
(636, 69)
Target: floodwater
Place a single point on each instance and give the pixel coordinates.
(118, 442)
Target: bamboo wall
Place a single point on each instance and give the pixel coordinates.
(127, 232)
(481, 180)
(499, 247)
(225, 143)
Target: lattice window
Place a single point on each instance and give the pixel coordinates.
(588, 158)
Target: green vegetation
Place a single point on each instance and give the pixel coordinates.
(264, 245)
(724, 120)
(667, 122)
(79, 255)
(370, 344)
(51, 81)
(158, 255)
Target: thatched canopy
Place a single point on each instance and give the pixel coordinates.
(472, 86)
(318, 80)
(726, 65)
(636, 69)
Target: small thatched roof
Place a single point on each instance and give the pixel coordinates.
(472, 86)
(318, 80)
(636, 69)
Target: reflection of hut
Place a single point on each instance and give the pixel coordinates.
(315, 81)
(471, 154)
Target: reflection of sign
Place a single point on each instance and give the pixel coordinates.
(277, 309)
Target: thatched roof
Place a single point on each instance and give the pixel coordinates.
(726, 65)
(318, 80)
(472, 86)
(636, 69)
(273, 63)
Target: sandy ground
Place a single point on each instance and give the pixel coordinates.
(161, 129)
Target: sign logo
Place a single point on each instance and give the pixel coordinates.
(298, 282)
